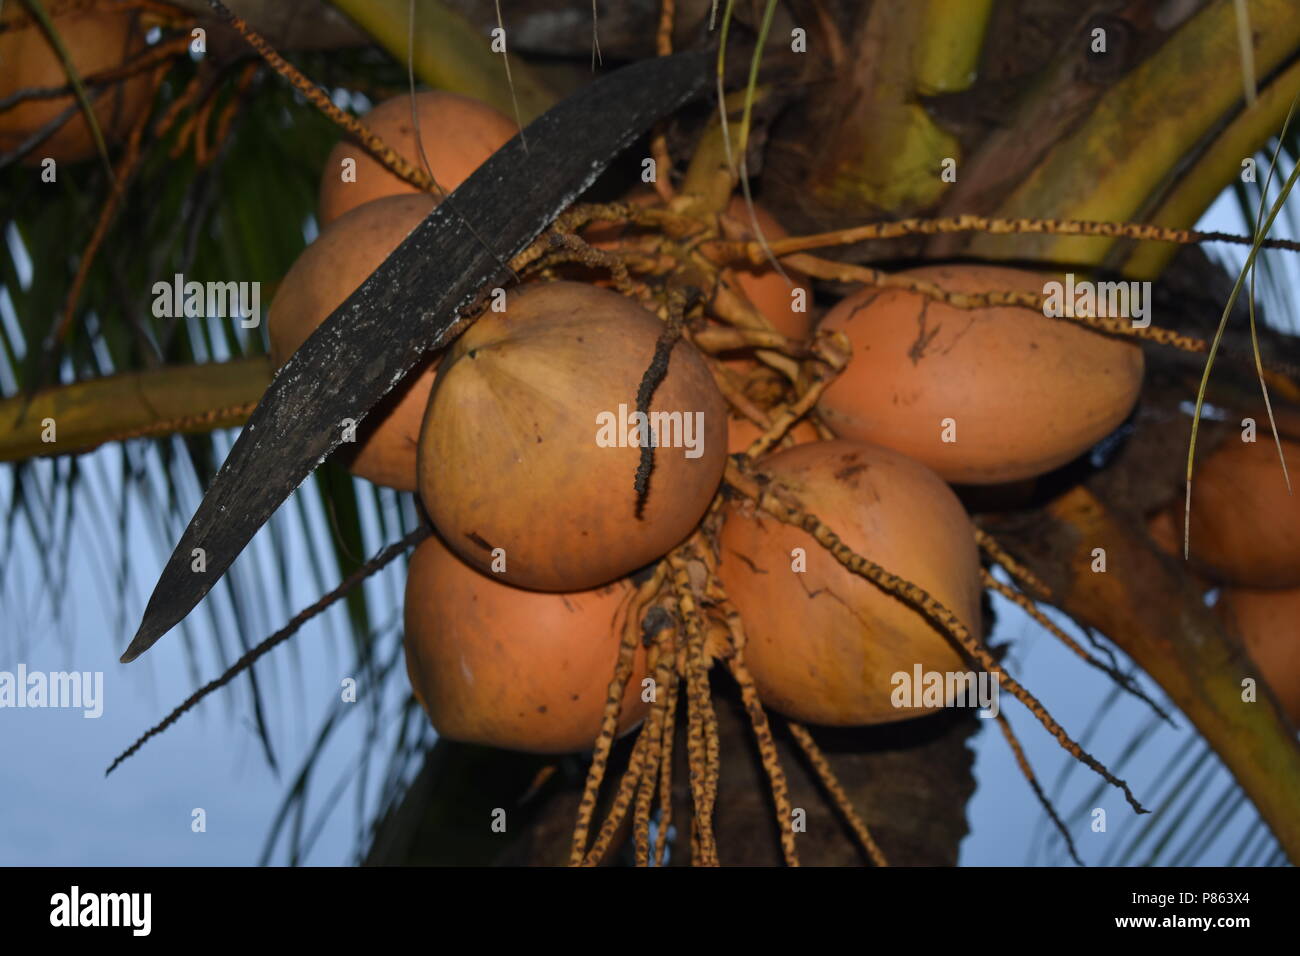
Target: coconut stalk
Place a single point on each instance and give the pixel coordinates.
(1153, 612)
(450, 54)
(188, 399)
(1217, 165)
(1136, 138)
(905, 51)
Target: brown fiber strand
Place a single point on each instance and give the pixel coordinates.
(609, 720)
(694, 771)
(762, 732)
(704, 847)
(921, 600)
(705, 756)
(296, 622)
(1026, 604)
(996, 226)
(701, 853)
(584, 214)
(1023, 576)
(654, 729)
(372, 144)
(766, 744)
(699, 661)
(570, 247)
(1023, 762)
(1029, 581)
(712, 743)
(841, 799)
(1033, 301)
(622, 800)
(666, 768)
(645, 791)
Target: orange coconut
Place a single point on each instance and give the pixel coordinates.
(528, 444)
(457, 133)
(497, 665)
(823, 643)
(1245, 527)
(95, 42)
(765, 288)
(1268, 624)
(1021, 393)
(327, 272)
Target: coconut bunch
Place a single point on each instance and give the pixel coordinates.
(551, 518)
(801, 516)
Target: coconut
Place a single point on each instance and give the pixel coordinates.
(1245, 526)
(1268, 624)
(457, 134)
(530, 446)
(525, 670)
(982, 396)
(824, 644)
(95, 42)
(765, 288)
(327, 272)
